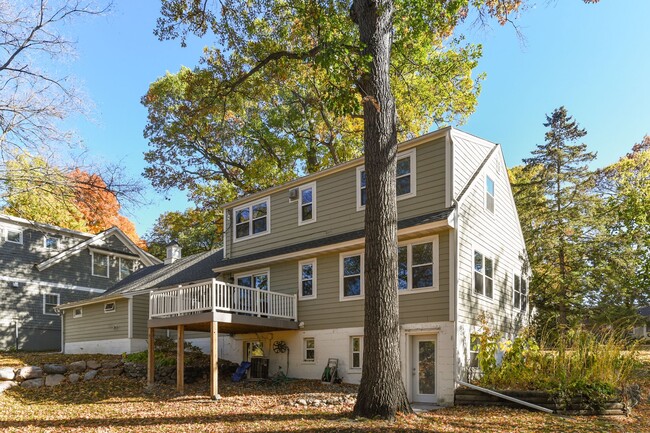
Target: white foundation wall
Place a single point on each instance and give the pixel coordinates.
(107, 347)
(336, 343)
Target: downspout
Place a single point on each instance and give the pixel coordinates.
(62, 331)
(505, 397)
(456, 205)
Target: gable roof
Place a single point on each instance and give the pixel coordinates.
(145, 257)
(186, 270)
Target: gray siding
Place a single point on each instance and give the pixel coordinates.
(97, 325)
(336, 201)
(328, 312)
(140, 315)
(498, 235)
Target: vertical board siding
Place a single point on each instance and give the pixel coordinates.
(97, 325)
(336, 202)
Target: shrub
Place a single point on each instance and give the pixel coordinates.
(165, 353)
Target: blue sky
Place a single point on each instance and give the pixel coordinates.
(591, 58)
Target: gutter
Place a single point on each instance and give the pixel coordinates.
(505, 397)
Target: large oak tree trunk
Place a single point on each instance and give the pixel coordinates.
(381, 393)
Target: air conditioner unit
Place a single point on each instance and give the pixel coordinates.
(293, 194)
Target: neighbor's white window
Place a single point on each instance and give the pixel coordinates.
(417, 266)
(100, 264)
(483, 274)
(50, 301)
(309, 345)
(251, 219)
(109, 307)
(489, 194)
(307, 204)
(405, 176)
(13, 235)
(307, 279)
(356, 352)
(351, 274)
(77, 312)
(126, 267)
(51, 242)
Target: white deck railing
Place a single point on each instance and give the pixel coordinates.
(213, 295)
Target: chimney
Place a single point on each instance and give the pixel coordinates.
(173, 252)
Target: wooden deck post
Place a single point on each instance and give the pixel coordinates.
(180, 358)
(150, 357)
(214, 357)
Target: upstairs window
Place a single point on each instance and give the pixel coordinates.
(13, 235)
(416, 266)
(100, 265)
(252, 219)
(483, 274)
(50, 302)
(404, 179)
(51, 243)
(351, 271)
(307, 278)
(489, 194)
(307, 204)
(126, 267)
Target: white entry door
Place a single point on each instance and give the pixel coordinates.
(423, 369)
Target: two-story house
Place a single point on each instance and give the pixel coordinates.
(289, 287)
(42, 266)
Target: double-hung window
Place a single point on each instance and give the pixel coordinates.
(519, 293)
(356, 352)
(252, 219)
(307, 279)
(126, 267)
(489, 194)
(417, 266)
(309, 350)
(351, 272)
(13, 235)
(307, 204)
(405, 185)
(483, 274)
(100, 264)
(50, 301)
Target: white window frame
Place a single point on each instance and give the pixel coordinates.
(471, 350)
(352, 352)
(311, 185)
(516, 277)
(45, 303)
(6, 231)
(409, 263)
(108, 265)
(343, 256)
(110, 310)
(305, 349)
(250, 205)
(488, 256)
(119, 267)
(314, 279)
(411, 154)
(56, 239)
(487, 194)
(80, 313)
(524, 281)
(253, 274)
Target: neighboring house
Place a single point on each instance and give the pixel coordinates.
(42, 266)
(291, 275)
(116, 321)
(643, 330)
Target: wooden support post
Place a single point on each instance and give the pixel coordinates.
(150, 357)
(214, 357)
(180, 358)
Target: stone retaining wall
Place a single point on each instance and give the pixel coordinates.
(470, 397)
(83, 371)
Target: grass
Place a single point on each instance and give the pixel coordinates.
(123, 405)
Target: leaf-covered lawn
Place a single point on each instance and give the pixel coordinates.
(120, 405)
(20, 359)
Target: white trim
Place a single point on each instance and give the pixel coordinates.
(487, 194)
(249, 206)
(74, 312)
(411, 154)
(96, 300)
(119, 266)
(226, 214)
(113, 253)
(52, 285)
(314, 205)
(342, 257)
(314, 278)
(449, 176)
(305, 348)
(45, 303)
(18, 230)
(92, 264)
(435, 251)
(253, 273)
(110, 310)
(359, 242)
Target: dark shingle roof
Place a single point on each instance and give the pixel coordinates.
(330, 240)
